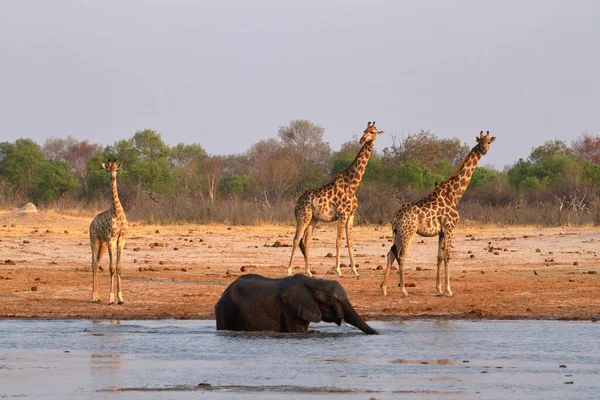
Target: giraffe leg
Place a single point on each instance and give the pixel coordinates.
(120, 246)
(401, 257)
(305, 244)
(391, 257)
(101, 254)
(96, 245)
(338, 242)
(301, 226)
(350, 243)
(440, 259)
(447, 243)
(112, 249)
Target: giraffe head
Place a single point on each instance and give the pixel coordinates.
(370, 133)
(484, 141)
(111, 167)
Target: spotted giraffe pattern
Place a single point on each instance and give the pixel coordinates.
(335, 201)
(107, 232)
(436, 214)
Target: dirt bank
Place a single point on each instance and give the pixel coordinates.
(180, 271)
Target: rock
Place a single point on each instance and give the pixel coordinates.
(329, 255)
(136, 249)
(575, 263)
(9, 262)
(419, 269)
(472, 256)
(28, 208)
(34, 288)
(161, 263)
(141, 269)
(244, 268)
(175, 248)
(537, 250)
(183, 269)
(204, 385)
(157, 231)
(379, 267)
(135, 260)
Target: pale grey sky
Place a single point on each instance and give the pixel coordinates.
(226, 74)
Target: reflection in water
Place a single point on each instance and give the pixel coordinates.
(108, 366)
(426, 359)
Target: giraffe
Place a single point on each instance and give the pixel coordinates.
(436, 214)
(107, 232)
(333, 201)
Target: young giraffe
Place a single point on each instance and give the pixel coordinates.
(107, 231)
(333, 201)
(436, 214)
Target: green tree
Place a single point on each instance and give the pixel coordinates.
(483, 176)
(53, 179)
(413, 175)
(186, 165)
(236, 185)
(145, 158)
(19, 165)
(345, 156)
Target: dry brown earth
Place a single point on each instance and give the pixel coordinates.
(179, 271)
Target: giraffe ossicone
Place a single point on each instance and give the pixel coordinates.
(436, 214)
(107, 232)
(335, 201)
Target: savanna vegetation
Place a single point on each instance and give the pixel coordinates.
(558, 184)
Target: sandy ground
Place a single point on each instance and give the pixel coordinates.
(180, 271)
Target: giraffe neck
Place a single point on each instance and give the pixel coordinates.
(354, 173)
(117, 208)
(459, 181)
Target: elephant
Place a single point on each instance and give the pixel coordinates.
(257, 303)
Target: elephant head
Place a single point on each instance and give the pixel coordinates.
(316, 300)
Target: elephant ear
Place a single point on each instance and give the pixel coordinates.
(302, 303)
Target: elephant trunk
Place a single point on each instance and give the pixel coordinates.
(352, 317)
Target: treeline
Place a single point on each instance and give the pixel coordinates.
(559, 183)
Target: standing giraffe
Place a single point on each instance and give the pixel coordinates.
(436, 214)
(107, 231)
(333, 201)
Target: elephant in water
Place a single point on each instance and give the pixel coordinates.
(256, 303)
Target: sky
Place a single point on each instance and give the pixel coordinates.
(226, 74)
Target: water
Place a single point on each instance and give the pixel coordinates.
(424, 359)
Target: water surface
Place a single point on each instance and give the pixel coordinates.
(425, 359)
